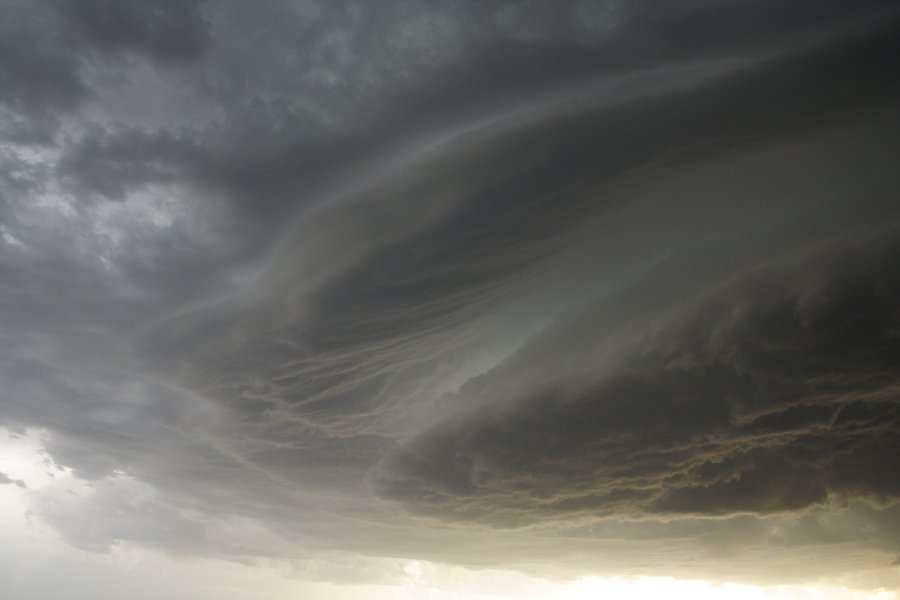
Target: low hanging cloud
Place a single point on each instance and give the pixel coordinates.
(776, 393)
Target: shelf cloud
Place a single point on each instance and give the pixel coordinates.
(601, 286)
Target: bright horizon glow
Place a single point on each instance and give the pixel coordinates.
(676, 589)
(38, 547)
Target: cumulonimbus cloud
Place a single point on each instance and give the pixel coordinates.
(597, 283)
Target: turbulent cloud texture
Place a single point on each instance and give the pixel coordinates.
(604, 287)
(774, 393)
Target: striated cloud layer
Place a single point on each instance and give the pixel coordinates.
(575, 288)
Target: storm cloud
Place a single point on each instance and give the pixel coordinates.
(494, 284)
(773, 394)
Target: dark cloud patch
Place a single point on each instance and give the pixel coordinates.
(500, 205)
(776, 393)
(296, 151)
(37, 76)
(47, 48)
(7, 480)
(38, 79)
(167, 31)
(521, 50)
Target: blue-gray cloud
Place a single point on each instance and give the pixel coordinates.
(580, 283)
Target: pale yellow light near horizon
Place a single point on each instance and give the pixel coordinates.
(673, 589)
(35, 551)
(502, 585)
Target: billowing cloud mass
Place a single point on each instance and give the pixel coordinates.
(773, 393)
(605, 287)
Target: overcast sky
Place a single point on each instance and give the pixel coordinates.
(449, 299)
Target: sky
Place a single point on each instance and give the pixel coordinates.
(441, 299)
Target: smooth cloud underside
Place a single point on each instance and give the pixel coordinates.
(498, 284)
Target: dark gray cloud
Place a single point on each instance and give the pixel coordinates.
(575, 283)
(51, 52)
(427, 284)
(777, 393)
(165, 31)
